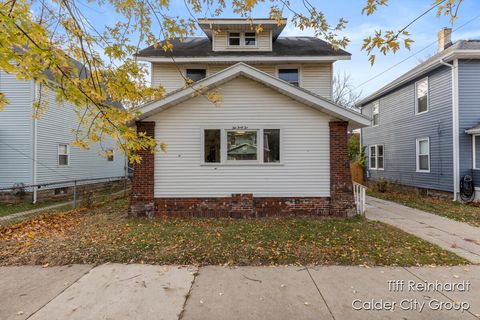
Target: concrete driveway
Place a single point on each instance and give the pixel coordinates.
(457, 237)
(116, 291)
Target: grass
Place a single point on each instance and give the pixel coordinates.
(105, 234)
(7, 209)
(468, 213)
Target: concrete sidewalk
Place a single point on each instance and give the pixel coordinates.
(116, 291)
(457, 237)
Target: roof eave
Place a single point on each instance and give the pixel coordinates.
(240, 58)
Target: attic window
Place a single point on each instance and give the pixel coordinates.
(196, 74)
(234, 39)
(289, 75)
(250, 38)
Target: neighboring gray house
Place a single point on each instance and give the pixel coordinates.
(425, 124)
(37, 151)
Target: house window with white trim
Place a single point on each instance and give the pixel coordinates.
(290, 75)
(476, 151)
(241, 146)
(376, 114)
(377, 157)
(421, 96)
(423, 155)
(195, 74)
(110, 155)
(63, 154)
(234, 39)
(250, 39)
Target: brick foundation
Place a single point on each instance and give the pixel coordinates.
(141, 200)
(243, 206)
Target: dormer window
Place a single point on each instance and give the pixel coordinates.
(250, 39)
(234, 39)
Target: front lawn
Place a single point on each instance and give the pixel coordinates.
(104, 234)
(468, 213)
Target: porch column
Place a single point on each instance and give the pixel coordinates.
(142, 196)
(341, 190)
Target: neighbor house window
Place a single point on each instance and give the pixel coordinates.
(476, 152)
(196, 74)
(234, 39)
(376, 114)
(421, 96)
(63, 154)
(423, 155)
(289, 75)
(377, 157)
(241, 145)
(110, 156)
(250, 38)
(212, 145)
(271, 145)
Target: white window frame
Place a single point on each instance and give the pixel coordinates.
(239, 39)
(416, 96)
(223, 146)
(113, 155)
(376, 156)
(63, 154)
(376, 105)
(245, 41)
(290, 66)
(474, 151)
(417, 154)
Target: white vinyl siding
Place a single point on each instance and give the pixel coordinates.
(16, 131)
(305, 166)
(316, 78)
(263, 41)
(55, 128)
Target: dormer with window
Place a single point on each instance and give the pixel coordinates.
(305, 62)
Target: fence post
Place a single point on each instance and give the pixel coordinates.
(74, 194)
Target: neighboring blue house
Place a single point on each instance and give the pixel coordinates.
(425, 128)
(38, 151)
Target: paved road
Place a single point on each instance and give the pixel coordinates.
(457, 237)
(117, 291)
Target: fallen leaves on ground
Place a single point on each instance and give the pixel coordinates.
(105, 234)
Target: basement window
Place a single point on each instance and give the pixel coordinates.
(234, 39)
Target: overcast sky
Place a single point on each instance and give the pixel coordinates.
(398, 14)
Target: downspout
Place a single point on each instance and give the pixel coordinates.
(455, 125)
(34, 151)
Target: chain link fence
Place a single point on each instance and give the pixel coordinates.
(21, 202)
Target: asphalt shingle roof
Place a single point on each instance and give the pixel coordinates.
(283, 46)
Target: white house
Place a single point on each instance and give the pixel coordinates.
(275, 145)
(39, 151)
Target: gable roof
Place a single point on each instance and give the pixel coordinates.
(463, 49)
(201, 47)
(301, 95)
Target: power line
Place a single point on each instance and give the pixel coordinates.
(411, 56)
